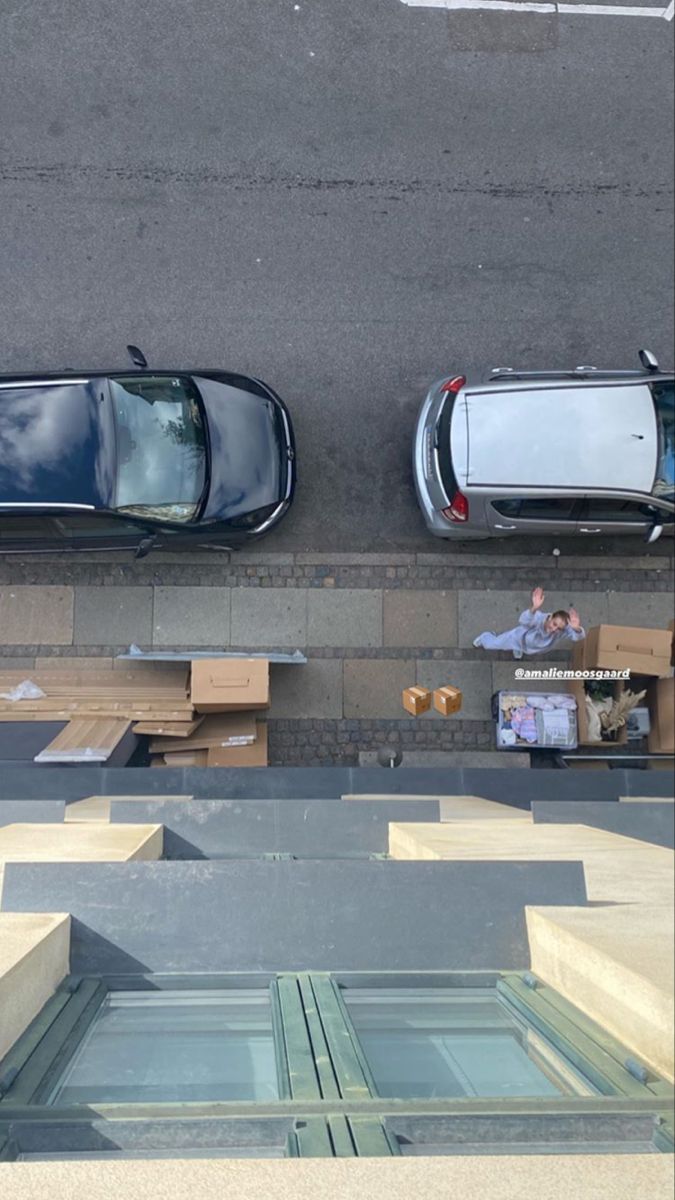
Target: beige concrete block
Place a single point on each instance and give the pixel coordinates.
(425, 618)
(489, 1177)
(616, 964)
(36, 615)
(80, 843)
(34, 958)
(617, 869)
(475, 808)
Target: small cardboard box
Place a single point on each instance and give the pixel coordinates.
(661, 700)
(229, 684)
(447, 700)
(577, 689)
(623, 647)
(254, 755)
(671, 631)
(416, 700)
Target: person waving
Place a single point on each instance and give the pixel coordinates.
(536, 630)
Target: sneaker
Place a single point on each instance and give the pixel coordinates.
(517, 654)
(478, 643)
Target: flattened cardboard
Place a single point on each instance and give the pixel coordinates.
(621, 647)
(661, 701)
(216, 729)
(416, 700)
(228, 685)
(447, 700)
(254, 755)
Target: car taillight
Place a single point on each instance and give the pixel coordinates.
(458, 509)
(454, 385)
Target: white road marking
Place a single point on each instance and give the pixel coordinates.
(529, 6)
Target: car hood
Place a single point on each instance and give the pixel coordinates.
(56, 444)
(247, 459)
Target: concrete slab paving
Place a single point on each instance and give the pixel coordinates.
(311, 690)
(79, 662)
(34, 958)
(474, 680)
(113, 616)
(424, 618)
(373, 687)
(270, 617)
(344, 617)
(36, 615)
(499, 610)
(653, 610)
(191, 616)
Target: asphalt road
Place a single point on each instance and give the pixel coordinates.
(347, 198)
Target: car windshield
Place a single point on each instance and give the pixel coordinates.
(664, 402)
(161, 447)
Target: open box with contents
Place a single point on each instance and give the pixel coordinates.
(535, 720)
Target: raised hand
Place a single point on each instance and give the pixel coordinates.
(575, 619)
(538, 598)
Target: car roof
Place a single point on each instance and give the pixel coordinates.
(556, 436)
(56, 444)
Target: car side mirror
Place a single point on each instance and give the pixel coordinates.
(144, 547)
(137, 357)
(648, 360)
(654, 534)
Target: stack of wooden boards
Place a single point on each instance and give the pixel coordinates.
(201, 713)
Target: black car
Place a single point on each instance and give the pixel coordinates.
(141, 458)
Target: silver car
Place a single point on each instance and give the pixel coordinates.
(540, 452)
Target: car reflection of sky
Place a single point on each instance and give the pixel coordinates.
(51, 445)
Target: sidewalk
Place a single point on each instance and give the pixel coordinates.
(370, 625)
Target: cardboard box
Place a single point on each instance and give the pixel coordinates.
(622, 647)
(254, 755)
(577, 689)
(661, 701)
(671, 631)
(216, 729)
(186, 758)
(447, 700)
(229, 684)
(416, 700)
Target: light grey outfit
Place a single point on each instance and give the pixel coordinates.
(529, 636)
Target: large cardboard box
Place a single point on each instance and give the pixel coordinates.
(577, 689)
(661, 700)
(228, 684)
(216, 729)
(254, 755)
(623, 647)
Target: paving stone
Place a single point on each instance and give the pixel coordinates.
(191, 616)
(373, 687)
(113, 616)
(274, 617)
(420, 618)
(345, 617)
(36, 615)
(648, 610)
(312, 690)
(474, 680)
(499, 610)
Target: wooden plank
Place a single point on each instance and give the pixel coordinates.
(168, 729)
(133, 711)
(216, 729)
(86, 739)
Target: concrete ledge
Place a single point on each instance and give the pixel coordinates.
(34, 955)
(87, 842)
(617, 869)
(498, 1177)
(616, 965)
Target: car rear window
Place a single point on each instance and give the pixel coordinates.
(442, 444)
